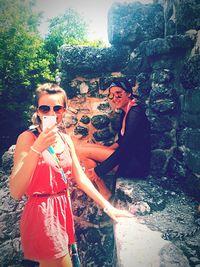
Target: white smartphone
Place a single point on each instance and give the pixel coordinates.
(48, 121)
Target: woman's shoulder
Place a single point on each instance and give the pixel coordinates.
(137, 112)
(25, 140)
(137, 108)
(26, 136)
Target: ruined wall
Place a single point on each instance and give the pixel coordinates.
(158, 46)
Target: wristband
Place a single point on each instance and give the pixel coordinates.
(36, 151)
(105, 209)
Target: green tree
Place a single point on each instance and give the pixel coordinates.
(24, 63)
(64, 29)
(86, 42)
(69, 28)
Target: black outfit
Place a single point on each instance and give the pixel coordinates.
(133, 152)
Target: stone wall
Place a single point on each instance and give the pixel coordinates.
(156, 45)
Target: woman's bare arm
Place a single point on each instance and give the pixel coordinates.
(25, 159)
(86, 185)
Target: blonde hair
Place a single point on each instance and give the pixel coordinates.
(47, 89)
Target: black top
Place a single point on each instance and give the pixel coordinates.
(133, 152)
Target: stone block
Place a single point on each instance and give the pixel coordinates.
(192, 139)
(187, 15)
(190, 73)
(158, 161)
(165, 106)
(131, 23)
(102, 135)
(84, 60)
(162, 140)
(190, 120)
(171, 44)
(162, 76)
(162, 123)
(193, 161)
(191, 102)
(100, 121)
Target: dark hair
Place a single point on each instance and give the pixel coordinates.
(47, 89)
(124, 84)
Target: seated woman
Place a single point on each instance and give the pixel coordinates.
(130, 155)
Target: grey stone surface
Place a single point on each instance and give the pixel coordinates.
(159, 213)
(139, 246)
(165, 62)
(161, 233)
(83, 60)
(132, 23)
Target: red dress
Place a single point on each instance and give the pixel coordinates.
(46, 224)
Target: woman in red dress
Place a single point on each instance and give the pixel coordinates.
(46, 225)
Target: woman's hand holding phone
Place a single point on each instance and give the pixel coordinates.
(48, 121)
(48, 135)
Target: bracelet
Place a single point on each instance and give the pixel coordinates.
(105, 209)
(36, 151)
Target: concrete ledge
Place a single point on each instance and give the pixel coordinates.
(137, 243)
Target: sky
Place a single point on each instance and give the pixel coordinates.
(93, 11)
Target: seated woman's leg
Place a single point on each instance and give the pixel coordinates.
(89, 155)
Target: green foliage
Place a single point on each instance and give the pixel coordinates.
(63, 29)
(70, 28)
(86, 42)
(18, 13)
(27, 60)
(24, 63)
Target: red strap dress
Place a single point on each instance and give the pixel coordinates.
(46, 224)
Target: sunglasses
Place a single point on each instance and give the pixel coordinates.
(45, 109)
(116, 95)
